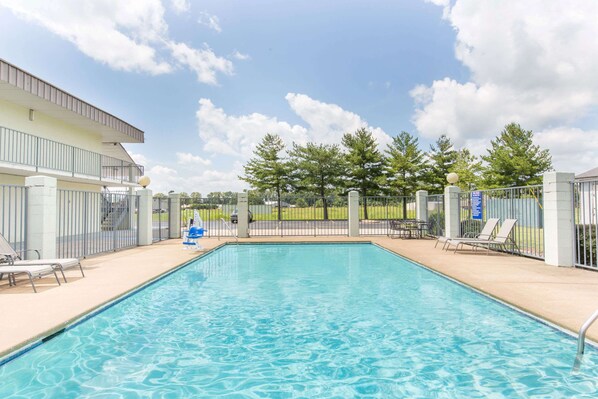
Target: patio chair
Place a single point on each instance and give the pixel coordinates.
(501, 240)
(11, 257)
(36, 271)
(484, 235)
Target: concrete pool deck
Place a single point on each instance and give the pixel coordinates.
(563, 296)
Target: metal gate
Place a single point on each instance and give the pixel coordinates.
(215, 213)
(376, 211)
(436, 215)
(585, 205)
(94, 222)
(160, 219)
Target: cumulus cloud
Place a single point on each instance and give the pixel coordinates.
(139, 158)
(531, 62)
(240, 56)
(180, 6)
(211, 21)
(165, 179)
(185, 158)
(125, 35)
(238, 135)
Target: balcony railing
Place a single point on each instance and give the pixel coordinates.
(42, 154)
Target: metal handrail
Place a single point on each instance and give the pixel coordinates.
(229, 229)
(581, 339)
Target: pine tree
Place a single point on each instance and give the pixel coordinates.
(468, 167)
(319, 169)
(365, 164)
(441, 159)
(269, 169)
(405, 164)
(514, 160)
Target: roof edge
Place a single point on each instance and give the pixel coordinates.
(23, 80)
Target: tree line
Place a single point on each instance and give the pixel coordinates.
(400, 169)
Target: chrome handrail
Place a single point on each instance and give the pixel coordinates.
(581, 339)
(227, 225)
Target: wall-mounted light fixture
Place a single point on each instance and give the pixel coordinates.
(31, 115)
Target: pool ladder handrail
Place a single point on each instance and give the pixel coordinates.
(229, 229)
(581, 339)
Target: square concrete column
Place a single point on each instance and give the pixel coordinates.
(242, 215)
(353, 214)
(145, 226)
(41, 216)
(174, 216)
(559, 225)
(421, 205)
(451, 211)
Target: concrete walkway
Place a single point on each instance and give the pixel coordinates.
(563, 296)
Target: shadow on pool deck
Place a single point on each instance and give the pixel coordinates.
(563, 296)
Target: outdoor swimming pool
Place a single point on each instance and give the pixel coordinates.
(318, 320)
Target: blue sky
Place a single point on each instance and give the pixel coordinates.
(206, 79)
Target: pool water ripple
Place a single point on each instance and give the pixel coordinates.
(304, 321)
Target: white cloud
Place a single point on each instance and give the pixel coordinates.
(185, 158)
(572, 149)
(531, 62)
(180, 6)
(240, 56)
(211, 21)
(139, 158)
(125, 35)
(238, 135)
(203, 62)
(204, 181)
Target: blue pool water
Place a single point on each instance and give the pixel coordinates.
(304, 321)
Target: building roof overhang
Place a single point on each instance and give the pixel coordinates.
(22, 88)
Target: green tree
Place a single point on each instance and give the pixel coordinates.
(160, 195)
(365, 164)
(196, 196)
(319, 169)
(441, 159)
(184, 195)
(514, 160)
(269, 169)
(405, 164)
(468, 167)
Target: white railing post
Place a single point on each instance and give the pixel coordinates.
(145, 225)
(174, 217)
(421, 205)
(353, 214)
(559, 226)
(41, 216)
(451, 211)
(242, 215)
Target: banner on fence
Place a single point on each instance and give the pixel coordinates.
(477, 211)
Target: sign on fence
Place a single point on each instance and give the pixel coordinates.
(476, 205)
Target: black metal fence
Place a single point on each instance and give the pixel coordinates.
(436, 215)
(376, 211)
(526, 204)
(89, 223)
(215, 214)
(160, 219)
(13, 215)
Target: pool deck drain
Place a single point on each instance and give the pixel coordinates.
(563, 296)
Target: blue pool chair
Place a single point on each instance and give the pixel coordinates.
(191, 236)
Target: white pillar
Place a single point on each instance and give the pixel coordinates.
(242, 215)
(41, 216)
(451, 211)
(145, 225)
(174, 217)
(353, 214)
(421, 205)
(559, 226)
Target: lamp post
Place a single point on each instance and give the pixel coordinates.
(144, 181)
(452, 178)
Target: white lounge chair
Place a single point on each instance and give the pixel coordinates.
(10, 257)
(32, 272)
(484, 235)
(502, 238)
